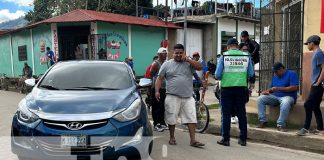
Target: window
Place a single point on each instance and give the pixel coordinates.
(78, 75)
(22, 53)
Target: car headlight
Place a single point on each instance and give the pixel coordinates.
(132, 112)
(24, 114)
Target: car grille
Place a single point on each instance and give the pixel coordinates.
(54, 148)
(64, 125)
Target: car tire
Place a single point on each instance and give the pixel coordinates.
(150, 148)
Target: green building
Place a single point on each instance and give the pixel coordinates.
(79, 35)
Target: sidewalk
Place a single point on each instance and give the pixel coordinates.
(314, 143)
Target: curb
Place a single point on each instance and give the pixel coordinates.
(283, 139)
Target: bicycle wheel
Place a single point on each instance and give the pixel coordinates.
(202, 117)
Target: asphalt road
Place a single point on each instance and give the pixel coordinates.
(162, 150)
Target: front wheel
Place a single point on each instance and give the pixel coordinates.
(202, 117)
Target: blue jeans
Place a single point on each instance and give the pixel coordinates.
(285, 104)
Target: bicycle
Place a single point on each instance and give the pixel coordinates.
(4, 82)
(202, 111)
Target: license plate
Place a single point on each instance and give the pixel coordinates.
(73, 141)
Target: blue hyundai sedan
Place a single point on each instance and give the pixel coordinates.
(83, 109)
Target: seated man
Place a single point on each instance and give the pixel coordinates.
(27, 71)
(283, 93)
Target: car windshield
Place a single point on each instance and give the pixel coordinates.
(87, 76)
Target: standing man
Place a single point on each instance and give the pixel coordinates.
(178, 75)
(233, 69)
(158, 105)
(51, 56)
(199, 76)
(312, 103)
(253, 49)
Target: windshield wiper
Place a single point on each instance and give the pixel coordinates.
(50, 87)
(91, 88)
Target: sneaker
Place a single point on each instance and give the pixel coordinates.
(233, 120)
(262, 125)
(164, 127)
(314, 131)
(302, 132)
(223, 142)
(281, 128)
(158, 128)
(241, 142)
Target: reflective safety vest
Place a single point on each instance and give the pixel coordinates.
(235, 68)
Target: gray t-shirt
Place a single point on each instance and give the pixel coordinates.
(178, 77)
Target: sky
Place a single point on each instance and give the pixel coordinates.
(13, 9)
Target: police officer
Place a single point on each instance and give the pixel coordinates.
(233, 69)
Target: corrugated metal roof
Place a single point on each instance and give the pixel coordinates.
(89, 15)
(80, 15)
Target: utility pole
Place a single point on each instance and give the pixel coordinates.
(185, 26)
(215, 7)
(136, 8)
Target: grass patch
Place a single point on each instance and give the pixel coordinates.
(213, 106)
(254, 121)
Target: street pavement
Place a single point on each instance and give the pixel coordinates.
(161, 149)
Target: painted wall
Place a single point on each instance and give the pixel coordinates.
(41, 35)
(5, 61)
(19, 39)
(144, 48)
(312, 20)
(194, 40)
(247, 26)
(117, 33)
(228, 25)
(312, 23)
(208, 42)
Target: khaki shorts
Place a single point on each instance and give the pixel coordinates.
(175, 106)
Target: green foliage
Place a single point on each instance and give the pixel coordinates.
(44, 9)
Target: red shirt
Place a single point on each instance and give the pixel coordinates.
(147, 72)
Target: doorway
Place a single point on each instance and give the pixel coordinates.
(73, 42)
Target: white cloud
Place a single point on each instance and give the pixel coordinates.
(21, 2)
(5, 15)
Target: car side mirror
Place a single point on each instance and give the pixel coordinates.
(145, 82)
(30, 82)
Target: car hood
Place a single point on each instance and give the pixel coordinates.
(49, 102)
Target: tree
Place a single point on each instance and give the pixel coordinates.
(44, 9)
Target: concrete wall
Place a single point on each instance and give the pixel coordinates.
(194, 40)
(144, 48)
(139, 42)
(208, 31)
(32, 39)
(41, 34)
(119, 32)
(312, 21)
(247, 26)
(228, 25)
(19, 39)
(5, 61)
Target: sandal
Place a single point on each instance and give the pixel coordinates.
(197, 144)
(172, 142)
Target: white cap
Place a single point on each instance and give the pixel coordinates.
(162, 50)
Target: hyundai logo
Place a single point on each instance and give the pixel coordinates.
(74, 126)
